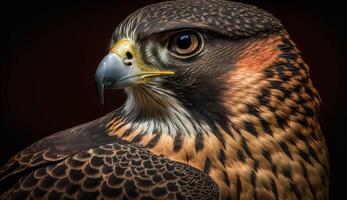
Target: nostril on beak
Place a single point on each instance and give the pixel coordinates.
(127, 61)
(129, 55)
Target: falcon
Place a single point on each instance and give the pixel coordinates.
(219, 105)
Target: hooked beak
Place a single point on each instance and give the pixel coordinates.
(123, 67)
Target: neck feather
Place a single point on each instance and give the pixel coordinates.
(150, 108)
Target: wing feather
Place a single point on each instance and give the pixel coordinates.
(84, 163)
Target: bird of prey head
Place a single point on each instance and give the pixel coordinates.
(184, 61)
(214, 85)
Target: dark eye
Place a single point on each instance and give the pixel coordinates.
(186, 43)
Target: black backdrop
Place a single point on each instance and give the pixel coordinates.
(49, 53)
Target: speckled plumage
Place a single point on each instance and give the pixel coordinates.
(232, 19)
(243, 113)
(65, 166)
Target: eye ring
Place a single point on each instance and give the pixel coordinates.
(185, 44)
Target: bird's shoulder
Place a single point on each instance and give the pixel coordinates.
(56, 147)
(85, 162)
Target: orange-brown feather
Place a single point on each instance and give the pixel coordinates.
(275, 149)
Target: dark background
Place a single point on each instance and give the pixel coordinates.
(49, 53)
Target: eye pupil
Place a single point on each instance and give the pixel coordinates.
(185, 44)
(184, 41)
